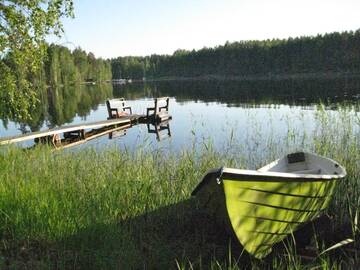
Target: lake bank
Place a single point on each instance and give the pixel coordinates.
(114, 209)
(268, 77)
(199, 108)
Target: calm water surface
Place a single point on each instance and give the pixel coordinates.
(221, 114)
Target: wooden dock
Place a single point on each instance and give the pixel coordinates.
(118, 121)
(73, 131)
(92, 134)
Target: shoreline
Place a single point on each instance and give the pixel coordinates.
(268, 77)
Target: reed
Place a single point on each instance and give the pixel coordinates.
(111, 209)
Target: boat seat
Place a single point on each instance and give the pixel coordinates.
(311, 171)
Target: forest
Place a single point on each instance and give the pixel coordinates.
(55, 83)
(63, 66)
(249, 94)
(57, 79)
(328, 53)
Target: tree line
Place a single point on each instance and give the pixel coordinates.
(23, 28)
(248, 93)
(60, 67)
(63, 66)
(31, 71)
(335, 52)
(60, 104)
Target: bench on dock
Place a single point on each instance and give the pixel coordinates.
(117, 107)
(160, 111)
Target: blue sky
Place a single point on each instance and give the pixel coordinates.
(110, 28)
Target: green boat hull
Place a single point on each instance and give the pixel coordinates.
(264, 213)
(263, 208)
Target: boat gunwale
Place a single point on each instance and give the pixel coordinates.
(263, 175)
(225, 173)
(250, 175)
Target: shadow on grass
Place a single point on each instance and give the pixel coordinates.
(178, 235)
(159, 239)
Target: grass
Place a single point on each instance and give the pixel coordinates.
(108, 209)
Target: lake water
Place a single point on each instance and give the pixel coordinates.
(219, 113)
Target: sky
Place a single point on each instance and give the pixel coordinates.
(112, 28)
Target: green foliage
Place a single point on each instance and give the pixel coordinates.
(249, 93)
(64, 67)
(57, 82)
(23, 27)
(128, 67)
(65, 102)
(336, 52)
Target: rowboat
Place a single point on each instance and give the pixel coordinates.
(261, 207)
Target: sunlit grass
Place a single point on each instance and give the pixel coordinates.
(131, 210)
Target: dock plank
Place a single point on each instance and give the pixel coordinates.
(92, 137)
(69, 128)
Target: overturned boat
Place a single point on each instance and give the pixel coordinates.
(262, 207)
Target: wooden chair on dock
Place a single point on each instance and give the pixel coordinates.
(117, 108)
(160, 111)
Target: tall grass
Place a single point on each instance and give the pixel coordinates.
(132, 210)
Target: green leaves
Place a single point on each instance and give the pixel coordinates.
(24, 26)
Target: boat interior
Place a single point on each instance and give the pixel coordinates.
(304, 163)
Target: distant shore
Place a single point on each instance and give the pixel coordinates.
(274, 77)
